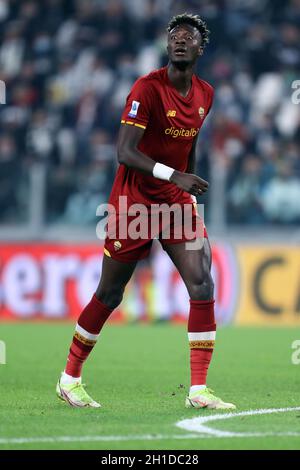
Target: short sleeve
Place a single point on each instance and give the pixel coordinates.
(138, 104)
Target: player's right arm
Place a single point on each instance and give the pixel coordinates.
(130, 156)
(128, 153)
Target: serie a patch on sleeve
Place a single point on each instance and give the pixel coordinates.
(134, 109)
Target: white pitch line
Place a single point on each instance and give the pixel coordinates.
(146, 437)
(194, 424)
(198, 424)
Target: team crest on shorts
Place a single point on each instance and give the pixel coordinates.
(201, 112)
(117, 245)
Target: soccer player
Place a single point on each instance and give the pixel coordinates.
(156, 151)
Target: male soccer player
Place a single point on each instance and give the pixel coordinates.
(156, 151)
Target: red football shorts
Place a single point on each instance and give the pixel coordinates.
(129, 237)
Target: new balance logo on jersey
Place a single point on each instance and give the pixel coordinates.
(134, 109)
(171, 113)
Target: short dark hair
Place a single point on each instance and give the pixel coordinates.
(193, 20)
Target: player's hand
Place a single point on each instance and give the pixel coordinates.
(190, 183)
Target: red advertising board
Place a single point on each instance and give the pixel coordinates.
(55, 281)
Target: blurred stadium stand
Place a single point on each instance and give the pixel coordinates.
(68, 66)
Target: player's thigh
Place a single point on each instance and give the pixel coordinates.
(193, 265)
(115, 275)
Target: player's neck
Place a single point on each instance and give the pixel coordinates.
(181, 78)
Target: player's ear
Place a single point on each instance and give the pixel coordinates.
(200, 51)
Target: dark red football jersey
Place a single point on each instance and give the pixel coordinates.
(171, 123)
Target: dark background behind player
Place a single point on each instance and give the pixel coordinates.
(68, 66)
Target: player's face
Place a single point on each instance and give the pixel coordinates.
(184, 44)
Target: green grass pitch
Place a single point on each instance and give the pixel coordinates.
(140, 375)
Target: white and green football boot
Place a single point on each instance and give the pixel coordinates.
(75, 395)
(206, 399)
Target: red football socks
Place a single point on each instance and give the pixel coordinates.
(201, 334)
(86, 334)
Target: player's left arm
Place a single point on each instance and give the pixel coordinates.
(192, 161)
(191, 168)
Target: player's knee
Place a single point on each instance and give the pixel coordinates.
(202, 288)
(112, 297)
